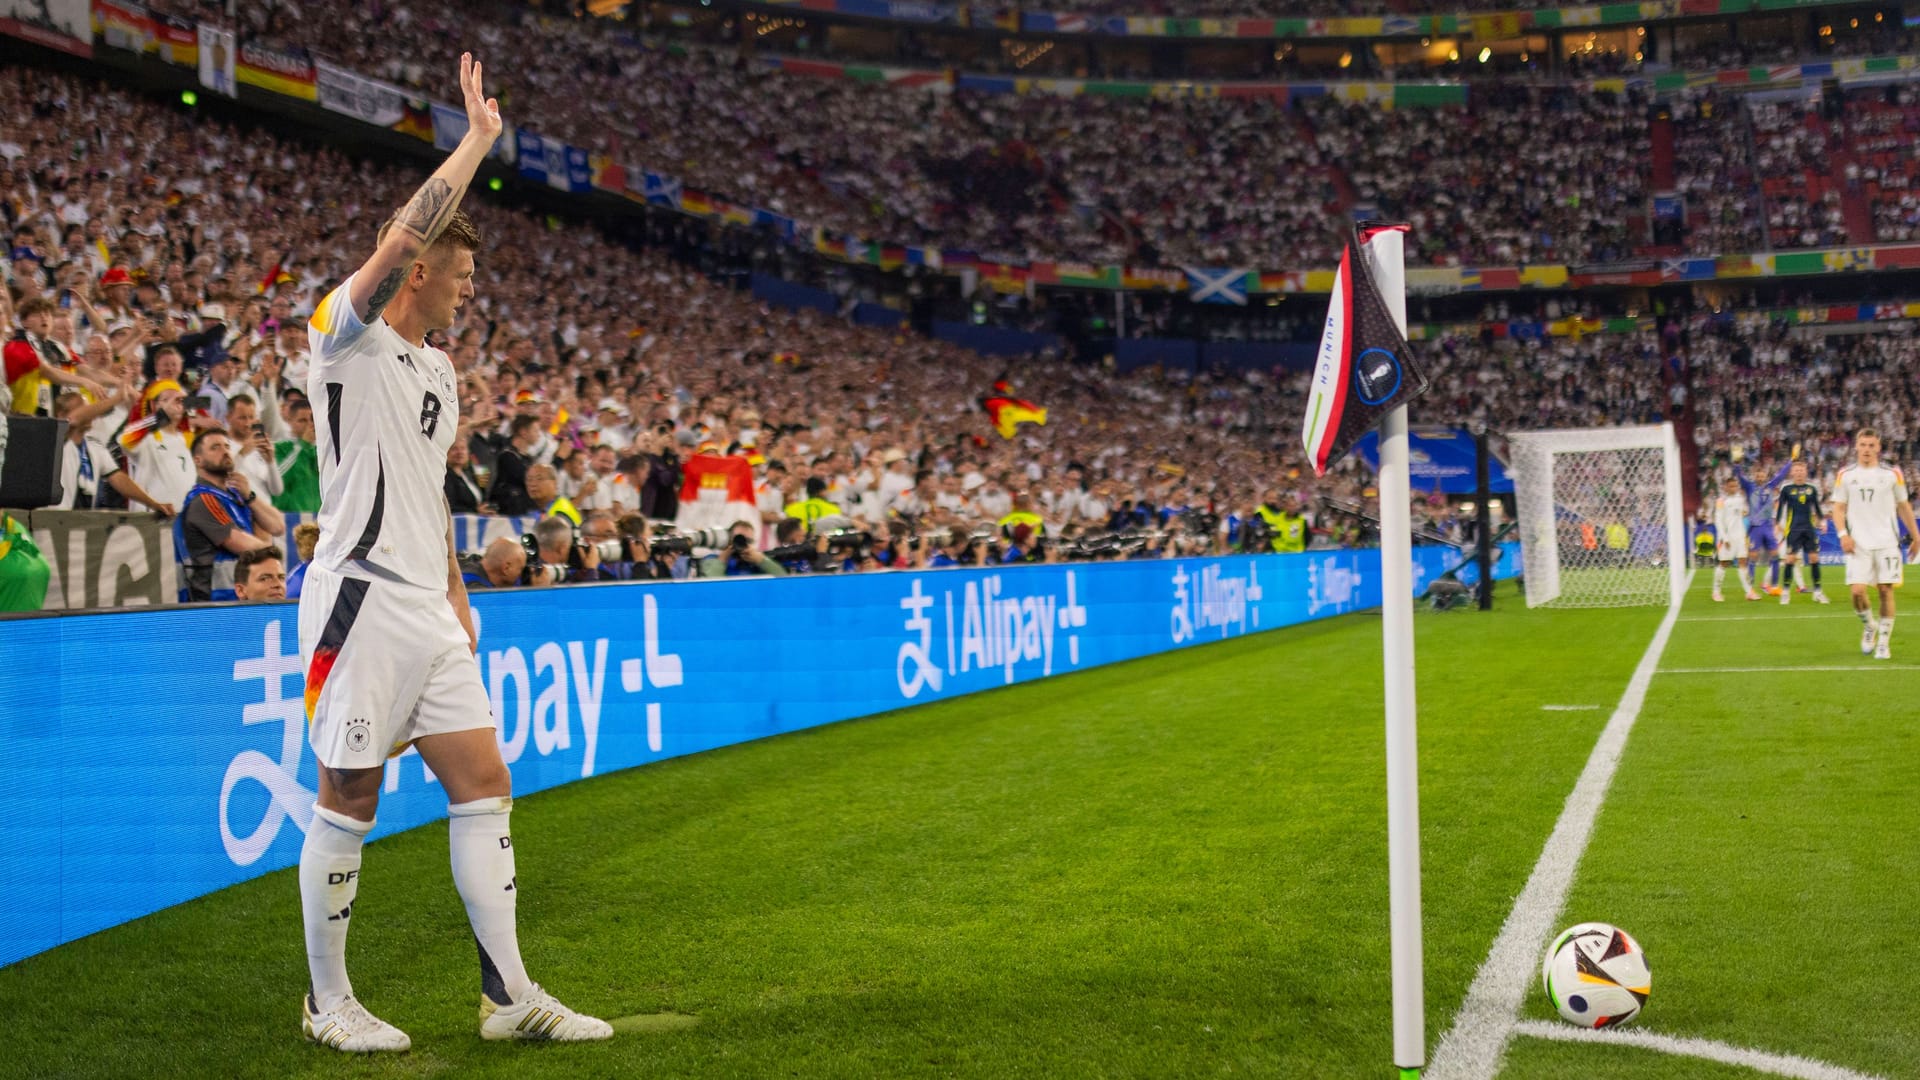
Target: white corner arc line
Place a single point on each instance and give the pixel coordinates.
(1758, 1060)
(1474, 1047)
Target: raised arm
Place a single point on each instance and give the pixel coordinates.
(420, 221)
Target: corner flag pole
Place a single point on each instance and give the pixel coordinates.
(1386, 253)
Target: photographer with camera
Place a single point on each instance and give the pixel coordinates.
(1285, 524)
(556, 554)
(626, 549)
(959, 547)
(501, 566)
(740, 558)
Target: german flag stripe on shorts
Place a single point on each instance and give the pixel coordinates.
(346, 608)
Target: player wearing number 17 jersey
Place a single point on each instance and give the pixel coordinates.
(385, 631)
(1867, 498)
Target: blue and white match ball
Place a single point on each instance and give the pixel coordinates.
(1597, 976)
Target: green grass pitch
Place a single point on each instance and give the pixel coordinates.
(1173, 867)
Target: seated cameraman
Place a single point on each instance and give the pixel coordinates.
(557, 547)
(741, 557)
(499, 567)
(625, 547)
(958, 548)
(793, 549)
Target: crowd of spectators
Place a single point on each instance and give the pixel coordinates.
(1531, 173)
(1714, 173)
(161, 268)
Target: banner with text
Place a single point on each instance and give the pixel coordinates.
(110, 819)
(105, 558)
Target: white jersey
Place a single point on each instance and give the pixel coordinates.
(1870, 496)
(1730, 516)
(386, 412)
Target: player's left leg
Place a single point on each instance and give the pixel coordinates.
(1746, 576)
(1883, 649)
(1788, 569)
(466, 760)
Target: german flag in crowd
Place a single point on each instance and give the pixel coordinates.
(1008, 412)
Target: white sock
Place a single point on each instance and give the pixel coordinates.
(1866, 617)
(329, 880)
(1886, 629)
(1799, 575)
(1746, 583)
(482, 849)
(1719, 575)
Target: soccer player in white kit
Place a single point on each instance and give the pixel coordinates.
(1730, 530)
(1866, 498)
(385, 631)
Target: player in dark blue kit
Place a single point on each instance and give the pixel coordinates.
(1797, 514)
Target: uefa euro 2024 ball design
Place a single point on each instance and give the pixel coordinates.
(1597, 976)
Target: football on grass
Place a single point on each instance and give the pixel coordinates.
(1597, 976)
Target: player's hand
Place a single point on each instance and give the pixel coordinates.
(483, 112)
(165, 510)
(1846, 545)
(239, 483)
(1913, 551)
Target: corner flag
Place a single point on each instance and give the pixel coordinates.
(1365, 369)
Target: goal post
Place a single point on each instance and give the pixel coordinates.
(1602, 521)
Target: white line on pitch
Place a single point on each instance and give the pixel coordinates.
(1805, 667)
(1568, 708)
(1474, 1047)
(1763, 618)
(1758, 1060)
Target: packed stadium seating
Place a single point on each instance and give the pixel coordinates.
(1145, 181)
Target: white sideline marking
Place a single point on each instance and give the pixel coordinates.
(1568, 708)
(1843, 613)
(1474, 1047)
(1757, 1060)
(1808, 667)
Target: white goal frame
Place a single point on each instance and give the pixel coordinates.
(1532, 456)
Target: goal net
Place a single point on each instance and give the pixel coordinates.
(1600, 515)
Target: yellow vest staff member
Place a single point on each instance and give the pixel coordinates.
(813, 507)
(1288, 524)
(1022, 517)
(543, 487)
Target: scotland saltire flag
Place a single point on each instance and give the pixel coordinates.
(1365, 368)
(1217, 286)
(660, 190)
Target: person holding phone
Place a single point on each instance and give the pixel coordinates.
(253, 455)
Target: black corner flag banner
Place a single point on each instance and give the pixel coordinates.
(1365, 368)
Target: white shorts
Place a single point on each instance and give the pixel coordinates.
(386, 664)
(1874, 566)
(1732, 548)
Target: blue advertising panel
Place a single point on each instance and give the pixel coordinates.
(1440, 459)
(157, 755)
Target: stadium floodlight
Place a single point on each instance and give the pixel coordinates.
(1601, 517)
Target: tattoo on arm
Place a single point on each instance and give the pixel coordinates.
(428, 211)
(384, 292)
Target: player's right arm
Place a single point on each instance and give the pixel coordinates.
(419, 222)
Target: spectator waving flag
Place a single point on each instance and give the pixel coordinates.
(1008, 412)
(716, 491)
(1365, 368)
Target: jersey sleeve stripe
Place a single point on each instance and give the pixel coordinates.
(212, 506)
